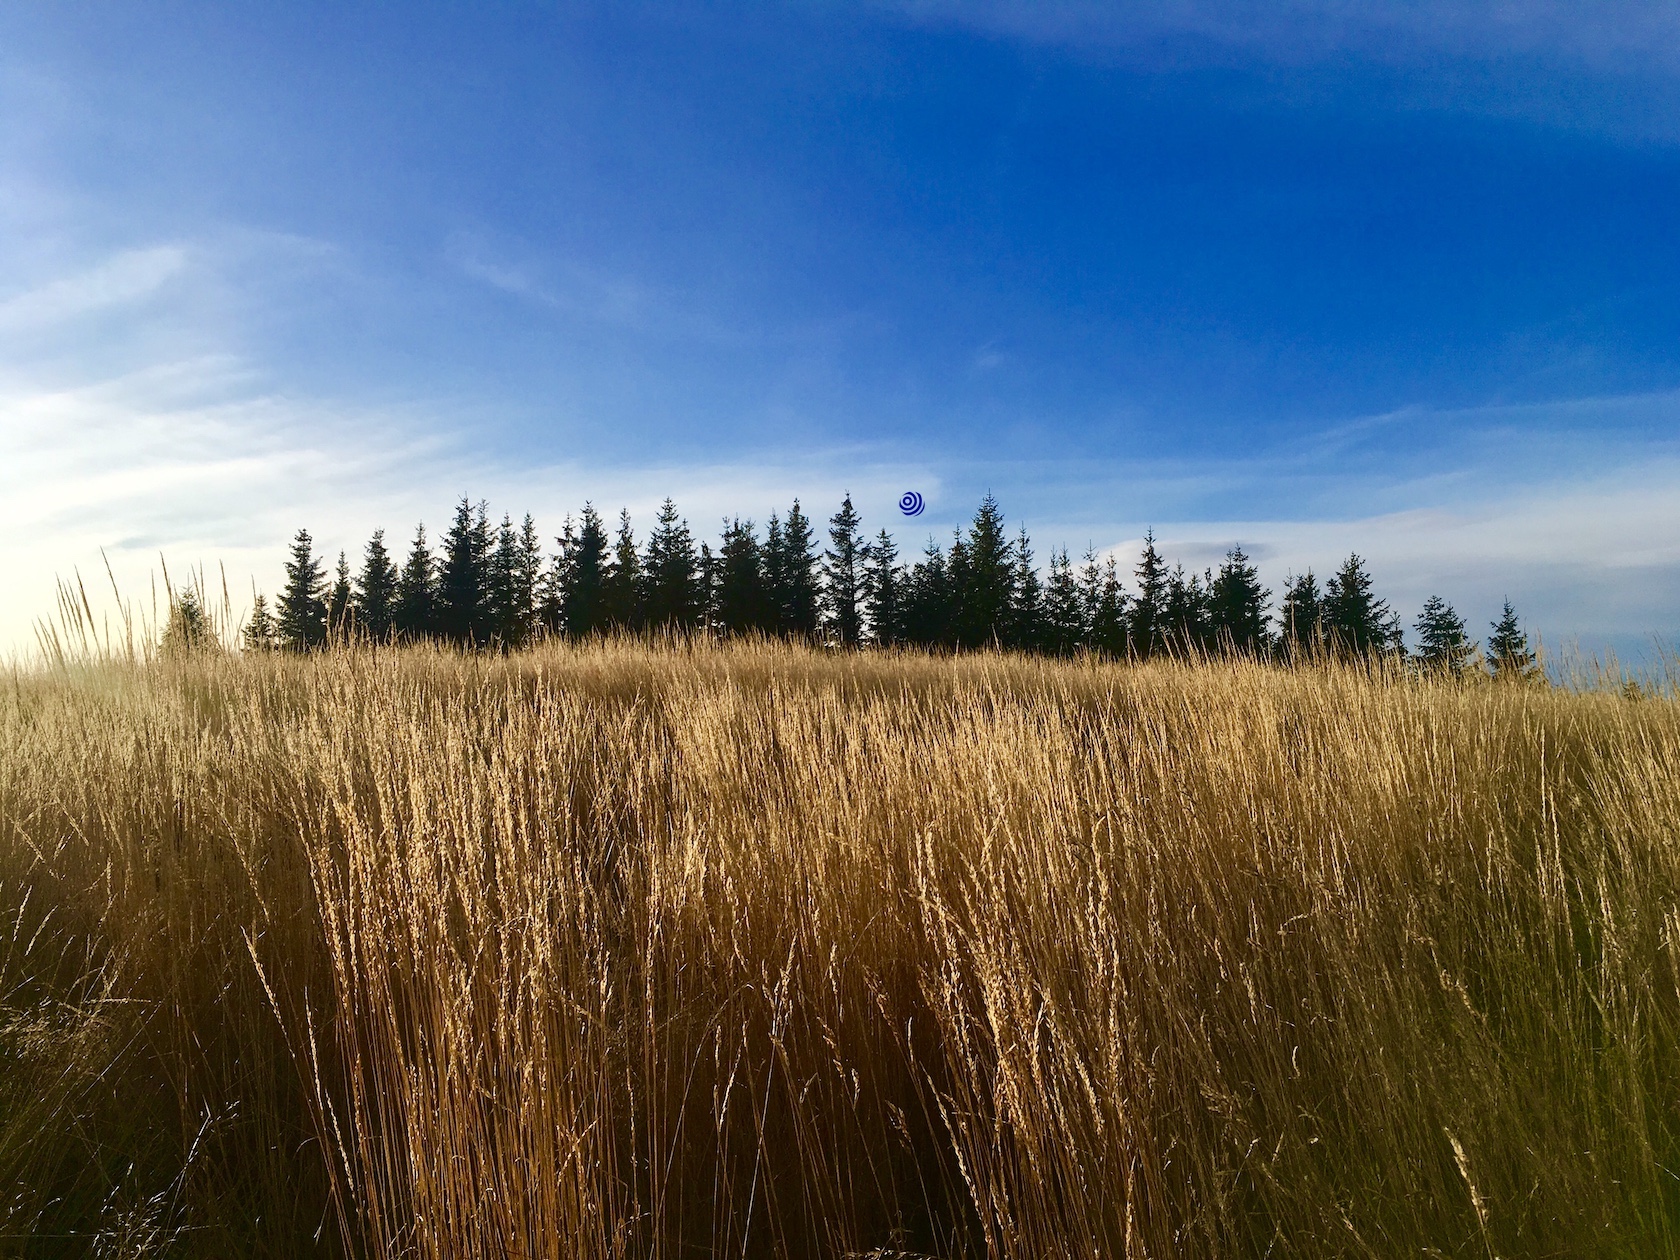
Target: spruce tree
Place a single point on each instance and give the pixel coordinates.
(1508, 650)
(621, 589)
(1187, 611)
(708, 580)
(417, 591)
(1149, 622)
(376, 590)
(927, 600)
(1064, 610)
(983, 577)
(189, 628)
(883, 592)
(775, 560)
(507, 617)
(1026, 599)
(670, 573)
(1237, 605)
(1090, 592)
(1301, 629)
(1356, 622)
(303, 607)
(260, 634)
(340, 602)
(585, 563)
(1443, 641)
(1109, 625)
(742, 600)
(843, 575)
(800, 597)
(463, 595)
(527, 585)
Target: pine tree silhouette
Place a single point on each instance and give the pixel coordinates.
(303, 608)
(883, 591)
(670, 574)
(1443, 641)
(1064, 610)
(982, 578)
(584, 563)
(527, 583)
(1237, 605)
(1187, 611)
(1149, 621)
(507, 614)
(742, 600)
(801, 603)
(376, 591)
(1508, 649)
(1026, 598)
(927, 600)
(462, 613)
(1356, 622)
(1109, 626)
(261, 634)
(621, 591)
(843, 575)
(1301, 629)
(417, 591)
(339, 602)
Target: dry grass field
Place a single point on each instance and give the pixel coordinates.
(759, 951)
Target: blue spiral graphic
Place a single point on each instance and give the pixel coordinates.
(911, 503)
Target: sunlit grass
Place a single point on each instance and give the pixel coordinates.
(675, 951)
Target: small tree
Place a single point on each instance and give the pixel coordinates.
(843, 575)
(1301, 619)
(1064, 611)
(417, 591)
(621, 591)
(1508, 650)
(582, 566)
(189, 628)
(883, 591)
(1149, 620)
(670, 572)
(1237, 605)
(339, 602)
(260, 633)
(464, 614)
(1026, 598)
(376, 590)
(1443, 643)
(1109, 633)
(1356, 622)
(800, 598)
(1187, 610)
(741, 601)
(303, 609)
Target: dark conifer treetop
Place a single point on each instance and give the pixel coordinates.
(843, 575)
(376, 590)
(490, 589)
(302, 623)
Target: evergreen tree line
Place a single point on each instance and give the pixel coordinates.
(491, 586)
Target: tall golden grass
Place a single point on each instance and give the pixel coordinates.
(677, 951)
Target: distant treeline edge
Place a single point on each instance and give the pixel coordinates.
(491, 586)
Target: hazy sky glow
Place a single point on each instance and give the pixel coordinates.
(1310, 276)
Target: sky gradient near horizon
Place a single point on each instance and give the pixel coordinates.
(1401, 279)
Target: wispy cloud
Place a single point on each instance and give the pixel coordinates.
(125, 278)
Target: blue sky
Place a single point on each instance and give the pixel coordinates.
(1308, 276)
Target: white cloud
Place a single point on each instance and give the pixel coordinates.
(121, 280)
